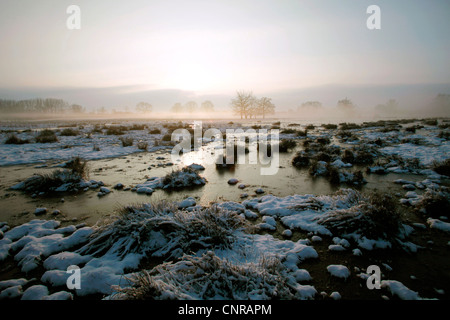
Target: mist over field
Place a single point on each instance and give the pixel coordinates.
(224, 150)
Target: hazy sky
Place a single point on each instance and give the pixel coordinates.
(173, 50)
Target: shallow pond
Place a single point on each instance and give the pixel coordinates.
(17, 207)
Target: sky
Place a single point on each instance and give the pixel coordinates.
(164, 52)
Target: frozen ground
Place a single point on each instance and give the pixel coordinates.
(299, 246)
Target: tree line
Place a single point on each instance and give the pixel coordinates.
(39, 105)
(192, 107)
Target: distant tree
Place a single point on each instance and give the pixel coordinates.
(76, 108)
(346, 106)
(144, 107)
(311, 104)
(243, 103)
(207, 106)
(264, 106)
(191, 106)
(390, 107)
(441, 104)
(177, 108)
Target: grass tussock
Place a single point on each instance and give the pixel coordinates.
(442, 167)
(163, 230)
(286, 145)
(69, 132)
(13, 139)
(75, 170)
(126, 141)
(301, 160)
(46, 136)
(183, 178)
(374, 216)
(78, 167)
(435, 203)
(116, 131)
(142, 145)
(210, 277)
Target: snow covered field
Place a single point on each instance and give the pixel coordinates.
(257, 246)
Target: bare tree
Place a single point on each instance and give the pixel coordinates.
(264, 106)
(243, 103)
(144, 107)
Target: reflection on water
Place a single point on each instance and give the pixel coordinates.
(136, 168)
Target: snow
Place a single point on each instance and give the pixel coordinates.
(38, 239)
(195, 166)
(438, 224)
(188, 202)
(183, 178)
(398, 289)
(259, 191)
(65, 259)
(11, 292)
(287, 233)
(335, 295)
(40, 211)
(302, 275)
(109, 146)
(435, 150)
(340, 164)
(336, 247)
(338, 271)
(36, 292)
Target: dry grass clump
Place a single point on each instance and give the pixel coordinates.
(210, 277)
(69, 132)
(301, 160)
(435, 203)
(286, 145)
(46, 136)
(13, 139)
(78, 167)
(142, 145)
(75, 170)
(126, 141)
(442, 167)
(185, 177)
(375, 216)
(163, 230)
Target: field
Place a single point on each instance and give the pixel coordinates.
(109, 198)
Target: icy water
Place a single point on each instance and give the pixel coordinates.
(136, 168)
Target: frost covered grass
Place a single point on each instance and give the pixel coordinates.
(210, 277)
(435, 203)
(374, 216)
(69, 179)
(182, 178)
(163, 230)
